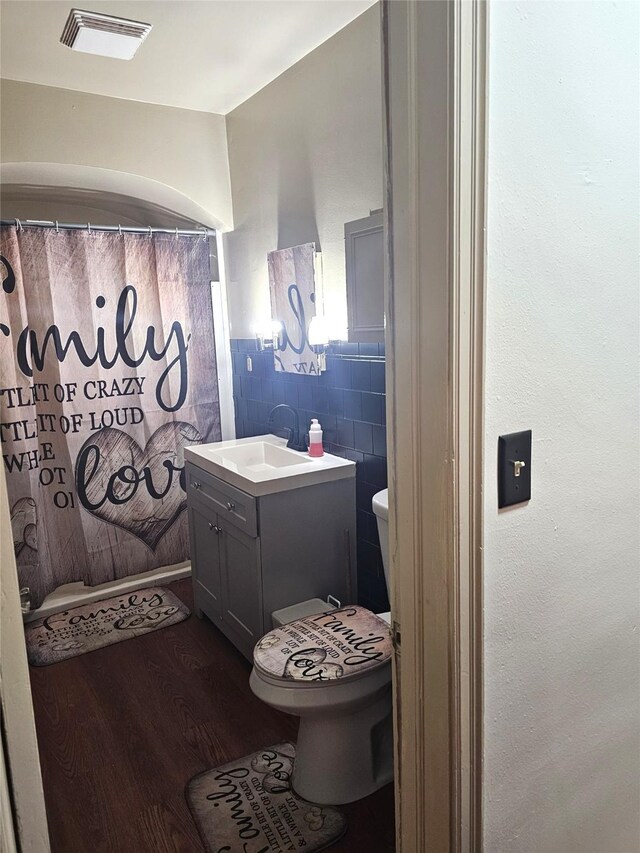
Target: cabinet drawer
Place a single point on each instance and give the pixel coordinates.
(231, 504)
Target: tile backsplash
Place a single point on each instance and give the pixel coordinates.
(349, 401)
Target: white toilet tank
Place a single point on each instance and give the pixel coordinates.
(380, 505)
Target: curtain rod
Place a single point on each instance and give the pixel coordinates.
(121, 229)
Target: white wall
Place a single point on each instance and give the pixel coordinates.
(109, 144)
(306, 156)
(79, 205)
(562, 689)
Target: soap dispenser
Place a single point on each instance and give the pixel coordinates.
(315, 439)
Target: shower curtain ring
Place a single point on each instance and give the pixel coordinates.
(150, 232)
(176, 233)
(89, 227)
(120, 229)
(19, 225)
(57, 227)
(204, 233)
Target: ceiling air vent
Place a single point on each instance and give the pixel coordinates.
(105, 35)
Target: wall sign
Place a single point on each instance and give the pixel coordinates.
(292, 287)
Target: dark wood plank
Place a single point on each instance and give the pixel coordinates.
(122, 730)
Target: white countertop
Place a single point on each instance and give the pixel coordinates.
(260, 478)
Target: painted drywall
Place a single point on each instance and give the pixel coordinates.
(305, 155)
(170, 157)
(562, 689)
(67, 204)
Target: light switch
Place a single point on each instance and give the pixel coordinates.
(514, 468)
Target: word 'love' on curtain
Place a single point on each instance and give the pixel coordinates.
(107, 372)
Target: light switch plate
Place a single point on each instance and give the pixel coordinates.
(514, 468)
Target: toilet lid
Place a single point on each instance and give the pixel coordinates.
(337, 644)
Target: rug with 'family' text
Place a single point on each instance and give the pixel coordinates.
(101, 623)
(248, 806)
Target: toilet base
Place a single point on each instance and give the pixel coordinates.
(344, 757)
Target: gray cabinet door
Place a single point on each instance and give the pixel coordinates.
(241, 587)
(364, 259)
(205, 563)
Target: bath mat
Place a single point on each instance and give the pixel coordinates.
(248, 805)
(101, 623)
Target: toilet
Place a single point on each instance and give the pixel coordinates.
(333, 670)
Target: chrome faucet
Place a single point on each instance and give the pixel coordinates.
(295, 440)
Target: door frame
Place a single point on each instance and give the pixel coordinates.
(434, 56)
(434, 69)
(21, 792)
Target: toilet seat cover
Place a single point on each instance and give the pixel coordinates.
(330, 646)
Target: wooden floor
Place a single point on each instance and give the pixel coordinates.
(122, 730)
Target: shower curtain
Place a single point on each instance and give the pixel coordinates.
(107, 372)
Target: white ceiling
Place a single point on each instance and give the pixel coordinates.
(208, 55)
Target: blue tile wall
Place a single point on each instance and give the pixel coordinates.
(349, 401)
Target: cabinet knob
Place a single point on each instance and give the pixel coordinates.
(196, 485)
(230, 506)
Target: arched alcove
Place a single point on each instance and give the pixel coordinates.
(74, 193)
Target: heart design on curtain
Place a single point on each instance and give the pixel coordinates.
(135, 489)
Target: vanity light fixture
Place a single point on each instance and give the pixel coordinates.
(103, 35)
(318, 334)
(268, 335)
(338, 334)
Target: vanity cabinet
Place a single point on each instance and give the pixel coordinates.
(253, 555)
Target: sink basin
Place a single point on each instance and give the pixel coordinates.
(263, 456)
(264, 464)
